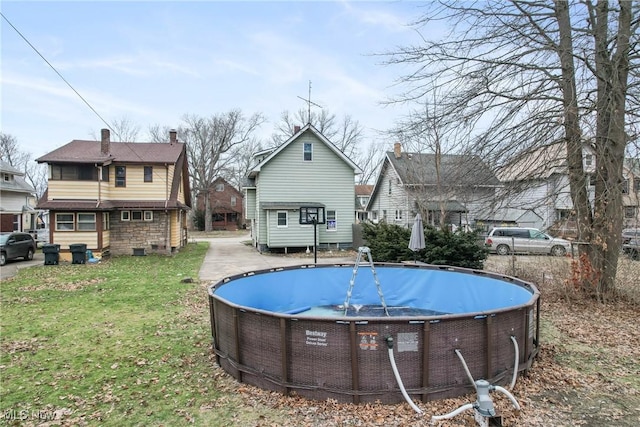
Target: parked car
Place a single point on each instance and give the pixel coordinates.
(632, 248)
(16, 245)
(506, 240)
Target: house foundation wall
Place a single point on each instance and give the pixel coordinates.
(151, 236)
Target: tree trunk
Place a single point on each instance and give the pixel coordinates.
(612, 72)
(208, 220)
(573, 134)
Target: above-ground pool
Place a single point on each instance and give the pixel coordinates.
(288, 330)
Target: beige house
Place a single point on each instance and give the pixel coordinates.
(118, 197)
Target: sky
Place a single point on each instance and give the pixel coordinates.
(152, 62)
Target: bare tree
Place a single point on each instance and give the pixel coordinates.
(433, 129)
(346, 134)
(531, 72)
(34, 174)
(210, 143)
(369, 162)
(10, 151)
(122, 130)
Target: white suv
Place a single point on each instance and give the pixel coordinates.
(506, 240)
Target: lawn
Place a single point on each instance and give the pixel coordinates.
(127, 342)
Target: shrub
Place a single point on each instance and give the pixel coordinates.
(198, 220)
(390, 243)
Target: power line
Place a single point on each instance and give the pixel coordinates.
(59, 75)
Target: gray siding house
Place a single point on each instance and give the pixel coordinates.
(410, 183)
(308, 171)
(538, 181)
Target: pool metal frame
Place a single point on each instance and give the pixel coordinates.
(345, 358)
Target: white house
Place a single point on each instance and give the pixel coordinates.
(17, 201)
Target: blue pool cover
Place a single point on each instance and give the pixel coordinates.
(295, 291)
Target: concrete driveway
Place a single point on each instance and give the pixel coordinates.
(11, 268)
(228, 256)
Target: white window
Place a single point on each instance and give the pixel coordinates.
(233, 200)
(398, 215)
(148, 215)
(389, 186)
(283, 219)
(125, 216)
(308, 151)
(64, 222)
(86, 222)
(219, 187)
(332, 220)
(105, 221)
(136, 215)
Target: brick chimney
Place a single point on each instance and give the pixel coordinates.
(105, 143)
(296, 129)
(173, 136)
(397, 150)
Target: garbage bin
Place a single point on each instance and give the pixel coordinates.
(51, 253)
(78, 253)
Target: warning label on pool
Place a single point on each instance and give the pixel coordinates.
(368, 340)
(407, 341)
(318, 338)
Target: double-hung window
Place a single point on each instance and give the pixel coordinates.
(332, 220)
(121, 176)
(283, 220)
(64, 222)
(308, 152)
(148, 174)
(86, 221)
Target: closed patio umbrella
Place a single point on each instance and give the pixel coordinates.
(416, 241)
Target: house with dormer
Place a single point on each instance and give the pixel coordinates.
(306, 177)
(448, 188)
(17, 201)
(118, 197)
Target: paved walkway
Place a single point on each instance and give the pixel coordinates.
(228, 256)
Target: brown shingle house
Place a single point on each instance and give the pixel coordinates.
(121, 197)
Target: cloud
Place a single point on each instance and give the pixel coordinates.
(140, 65)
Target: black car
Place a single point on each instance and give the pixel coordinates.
(16, 245)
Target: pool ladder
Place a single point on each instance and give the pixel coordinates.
(364, 250)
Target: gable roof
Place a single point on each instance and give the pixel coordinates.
(364, 189)
(538, 163)
(18, 184)
(307, 128)
(6, 167)
(455, 169)
(419, 169)
(83, 151)
(142, 153)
